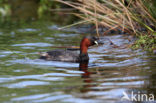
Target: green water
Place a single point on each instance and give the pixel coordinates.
(111, 74)
(111, 71)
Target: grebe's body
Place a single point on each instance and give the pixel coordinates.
(71, 56)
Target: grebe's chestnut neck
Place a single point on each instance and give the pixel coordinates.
(86, 42)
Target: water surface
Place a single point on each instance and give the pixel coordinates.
(111, 71)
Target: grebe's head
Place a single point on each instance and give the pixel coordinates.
(89, 41)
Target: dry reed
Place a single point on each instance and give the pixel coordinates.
(114, 14)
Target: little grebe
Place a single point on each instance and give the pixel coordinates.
(70, 56)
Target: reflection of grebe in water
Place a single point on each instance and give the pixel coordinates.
(83, 66)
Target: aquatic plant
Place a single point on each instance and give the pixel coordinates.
(45, 6)
(147, 42)
(4, 10)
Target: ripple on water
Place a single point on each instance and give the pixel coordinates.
(66, 35)
(44, 63)
(27, 30)
(24, 84)
(38, 79)
(3, 79)
(34, 44)
(7, 53)
(111, 72)
(40, 98)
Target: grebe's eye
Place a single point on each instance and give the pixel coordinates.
(96, 42)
